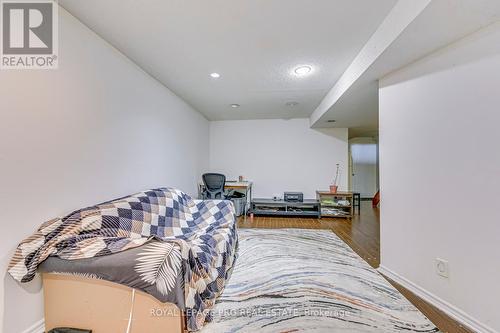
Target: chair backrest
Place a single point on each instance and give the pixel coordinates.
(214, 184)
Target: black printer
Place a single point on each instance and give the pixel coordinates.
(293, 197)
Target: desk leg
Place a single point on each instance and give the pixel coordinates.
(249, 200)
(245, 211)
(200, 192)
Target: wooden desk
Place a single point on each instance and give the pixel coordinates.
(237, 185)
(245, 187)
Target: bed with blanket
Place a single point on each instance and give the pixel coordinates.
(160, 241)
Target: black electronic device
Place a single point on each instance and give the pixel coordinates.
(293, 197)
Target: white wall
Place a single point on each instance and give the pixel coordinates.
(95, 129)
(278, 155)
(440, 175)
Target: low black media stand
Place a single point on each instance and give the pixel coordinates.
(309, 207)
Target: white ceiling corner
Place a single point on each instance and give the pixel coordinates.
(419, 28)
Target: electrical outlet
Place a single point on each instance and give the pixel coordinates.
(442, 268)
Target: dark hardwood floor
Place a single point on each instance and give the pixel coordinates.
(362, 234)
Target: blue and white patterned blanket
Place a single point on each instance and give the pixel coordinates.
(176, 235)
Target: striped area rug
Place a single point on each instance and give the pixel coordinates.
(296, 280)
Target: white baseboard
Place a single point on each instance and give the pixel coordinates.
(38, 327)
(439, 303)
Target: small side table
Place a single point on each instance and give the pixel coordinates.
(330, 204)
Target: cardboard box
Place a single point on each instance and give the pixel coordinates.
(105, 307)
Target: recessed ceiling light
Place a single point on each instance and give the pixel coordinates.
(331, 121)
(302, 70)
(215, 75)
(292, 104)
(235, 105)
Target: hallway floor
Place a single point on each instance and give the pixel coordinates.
(362, 234)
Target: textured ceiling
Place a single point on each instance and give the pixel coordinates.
(253, 44)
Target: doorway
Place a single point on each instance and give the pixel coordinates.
(363, 175)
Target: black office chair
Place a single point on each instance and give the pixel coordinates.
(214, 185)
